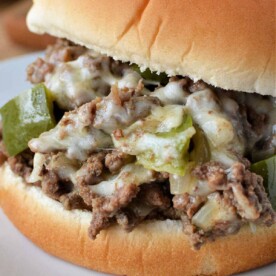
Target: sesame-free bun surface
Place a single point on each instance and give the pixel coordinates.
(153, 248)
(229, 44)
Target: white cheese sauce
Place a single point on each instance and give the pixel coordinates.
(224, 142)
(74, 135)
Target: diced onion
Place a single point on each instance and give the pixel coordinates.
(182, 184)
(39, 160)
(214, 211)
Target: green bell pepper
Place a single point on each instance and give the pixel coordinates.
(267, 169)
(25, 117)
(151, 76)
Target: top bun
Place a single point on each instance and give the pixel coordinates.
(229, 44)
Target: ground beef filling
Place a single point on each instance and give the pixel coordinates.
(235, 190)
(62, 51)
(243, 193)
(130, 205)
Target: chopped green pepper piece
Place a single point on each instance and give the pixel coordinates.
(167, 133)
(26, 117)
(267, 169)
(175, 143)
(153, 76)
(201, 151)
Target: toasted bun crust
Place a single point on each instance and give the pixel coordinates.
(229, 44)
(153, 248)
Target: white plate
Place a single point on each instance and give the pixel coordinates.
(18, 256)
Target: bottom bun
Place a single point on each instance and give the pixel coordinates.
(153, 248)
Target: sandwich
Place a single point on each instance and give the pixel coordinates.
(146, 145)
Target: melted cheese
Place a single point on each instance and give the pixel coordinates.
(172, 93)
(130, 174)
(64, 167)
(78, 138)
(75, 83)
(225, 145)
(112, 115)
(129, 80)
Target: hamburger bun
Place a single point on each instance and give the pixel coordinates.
(153, 248)
(229, 44)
